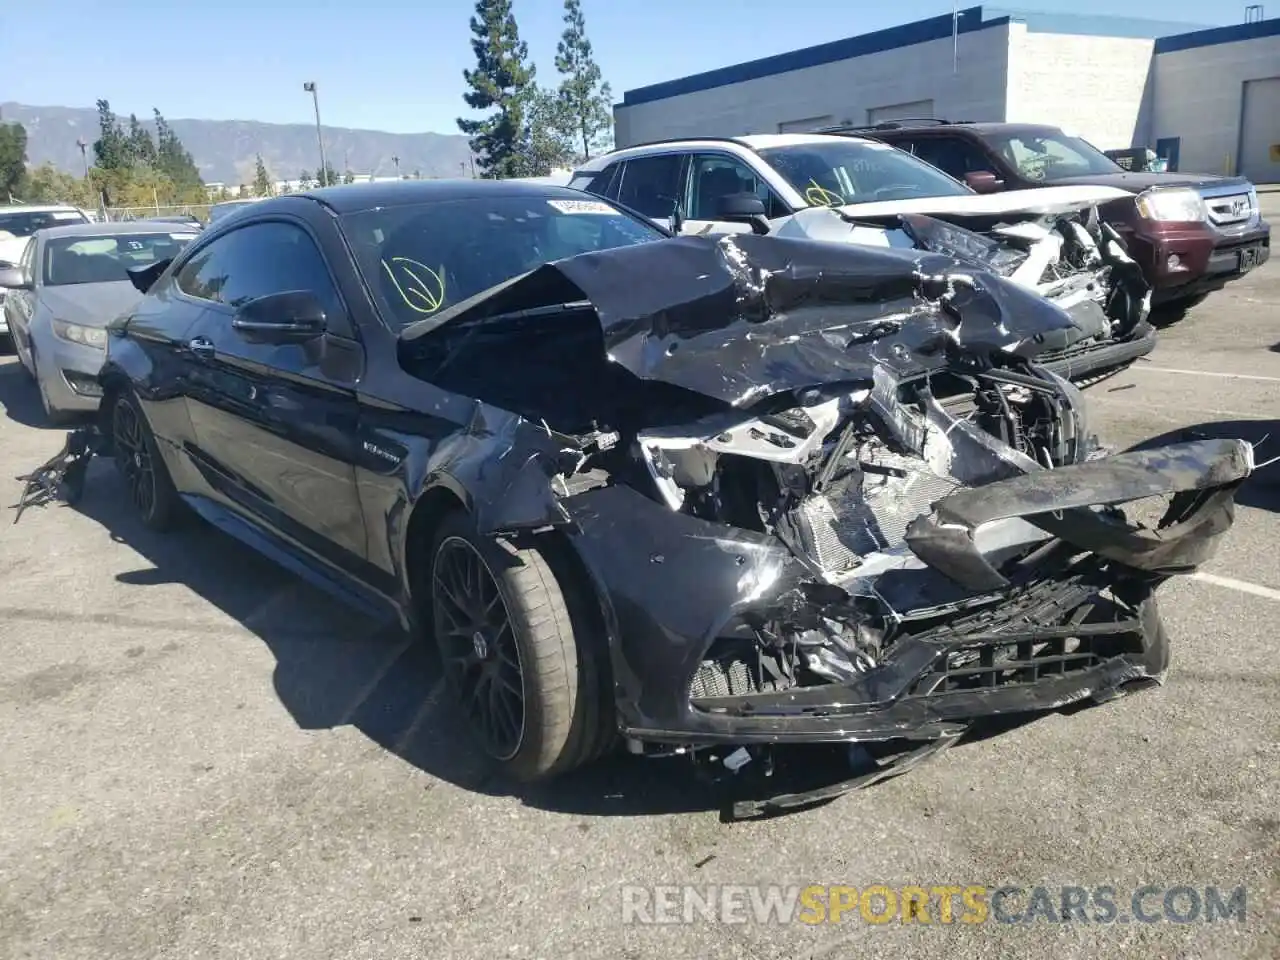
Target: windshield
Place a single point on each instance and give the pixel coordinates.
(848, 171)
(26, 223)
(1053, 156)
(69, 260)
(421, 258)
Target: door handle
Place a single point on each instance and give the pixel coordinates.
(202, 347)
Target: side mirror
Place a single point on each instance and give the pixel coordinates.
(743, 208)
(984, 181)
(13, 278)
(292, 316)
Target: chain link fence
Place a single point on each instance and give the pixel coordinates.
(198, 210)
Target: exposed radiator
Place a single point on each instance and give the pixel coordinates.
(844, 524)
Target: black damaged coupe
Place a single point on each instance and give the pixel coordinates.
(708, 495)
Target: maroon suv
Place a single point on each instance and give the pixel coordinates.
(1192, 233)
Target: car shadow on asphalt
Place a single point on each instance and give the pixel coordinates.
(335, 668)
(19, 396)
(1262, 489)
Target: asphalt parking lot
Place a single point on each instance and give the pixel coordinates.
(201, 757)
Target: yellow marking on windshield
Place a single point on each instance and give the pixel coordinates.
(819, 196)
(423, 294)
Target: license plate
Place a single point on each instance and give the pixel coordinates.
(1249, 258)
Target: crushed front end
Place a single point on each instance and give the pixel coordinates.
(943, 550)
(855, 512)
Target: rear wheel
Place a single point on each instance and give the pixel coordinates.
(524, 660)
(143, 470)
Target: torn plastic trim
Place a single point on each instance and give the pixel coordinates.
(1059, 502)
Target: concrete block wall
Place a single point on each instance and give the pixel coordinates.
(1198, 98)
(842, 90)
(1092, 86)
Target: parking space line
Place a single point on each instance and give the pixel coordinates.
(429, 705)
(379, 675)
(1204, 373)
(1243, 586)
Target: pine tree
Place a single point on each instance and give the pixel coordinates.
(110, 150)
(261, 179)
(327, 176)
(304, 180)
(502, 80)
(13, 159)
(172, 158)
(142, 149)
(585, 103)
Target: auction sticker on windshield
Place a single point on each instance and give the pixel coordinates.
(581, 206)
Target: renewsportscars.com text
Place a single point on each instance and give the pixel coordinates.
(932, 904)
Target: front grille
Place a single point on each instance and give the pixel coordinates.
(993, 666)
(1232, 209)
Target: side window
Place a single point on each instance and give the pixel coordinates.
(651, 185)
(952, 155)
(257, 259)
(605, 183)
(713, 176)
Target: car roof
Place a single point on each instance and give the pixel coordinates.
(38, 208)
(751, 141)
(114, 228)
(355, 197)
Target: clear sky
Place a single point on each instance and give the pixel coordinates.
(397, 65)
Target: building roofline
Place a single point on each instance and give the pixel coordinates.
(892, 38)
(971, 20)
(1216, 35)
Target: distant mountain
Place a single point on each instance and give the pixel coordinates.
(224, 150)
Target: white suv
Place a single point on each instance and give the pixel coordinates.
(849, 190)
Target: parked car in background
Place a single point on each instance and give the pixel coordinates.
(1138, 160)
(846, 190)
(186, 219)
(1192, 233)
(718, 493)
(17, 223)
(226, 207)
(69, 283)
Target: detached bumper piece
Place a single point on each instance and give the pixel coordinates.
(1200, 477)
(62, 476)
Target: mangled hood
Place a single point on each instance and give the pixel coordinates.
(738, 318)
(1039, 202)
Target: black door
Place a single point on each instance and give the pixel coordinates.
(276, 422)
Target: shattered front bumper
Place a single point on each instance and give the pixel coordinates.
(1088, 360)
(670, 583)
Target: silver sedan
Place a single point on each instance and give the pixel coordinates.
(70, 283)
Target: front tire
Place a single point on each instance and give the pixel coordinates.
(524, 668)
(140, 465)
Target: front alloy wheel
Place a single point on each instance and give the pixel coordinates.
(143, 470)
(478, 646)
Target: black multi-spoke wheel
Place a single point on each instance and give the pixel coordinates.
(481, 656)
(522, 651)
(144, 473)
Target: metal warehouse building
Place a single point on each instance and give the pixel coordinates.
(1208, 100)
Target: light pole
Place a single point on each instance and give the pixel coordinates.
(310, 87)
(84, 156)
